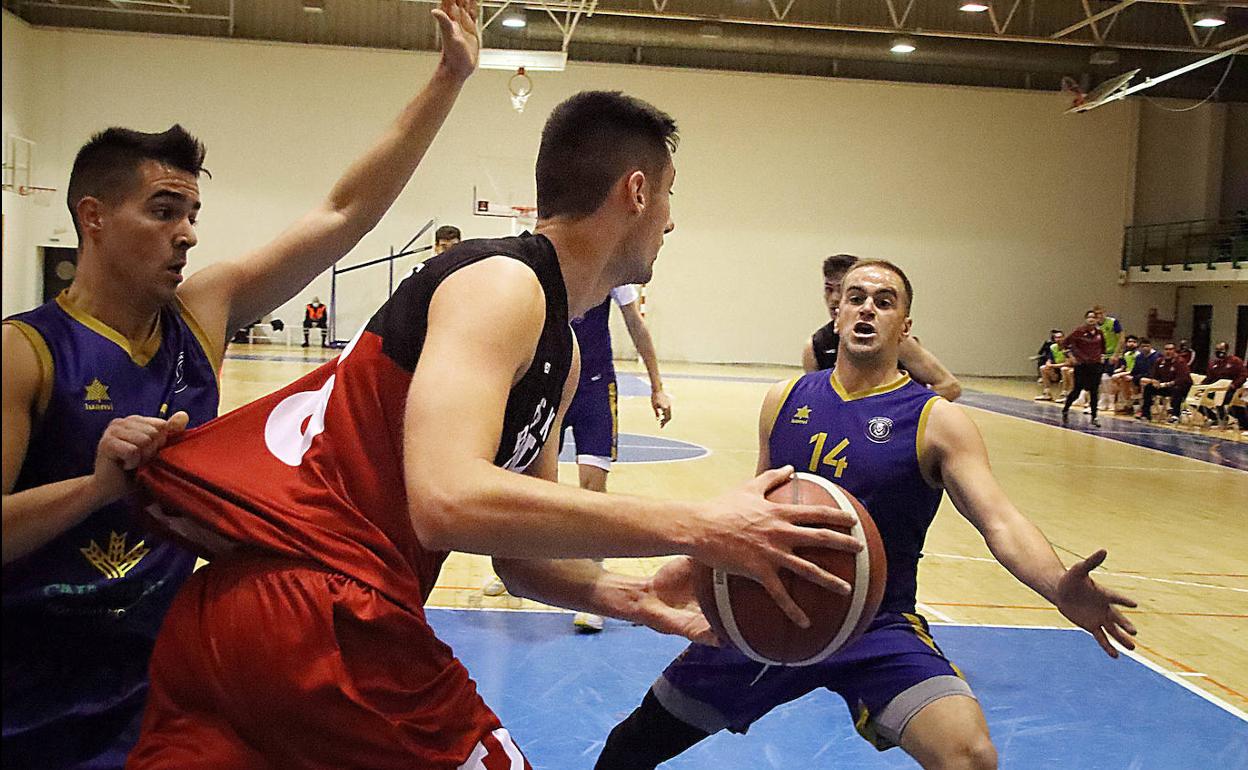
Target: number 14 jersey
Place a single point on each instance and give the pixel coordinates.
(870, 443)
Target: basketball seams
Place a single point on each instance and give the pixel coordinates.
(723, 602)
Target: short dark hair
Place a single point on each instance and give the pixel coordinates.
(590, 141)
(1132, 337)
(885, 264)
(447, 233)
(1055, 331)
(1088, 313)
(837, 265)
(1145, 341)
(106, 167)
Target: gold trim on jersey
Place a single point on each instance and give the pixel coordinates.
(775, 415)
(46, 367)
(215, 358)
(922, 429)
(140, 355)
(879, 390)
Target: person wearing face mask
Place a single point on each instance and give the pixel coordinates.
(1228, 369)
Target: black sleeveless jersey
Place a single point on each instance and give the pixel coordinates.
(825, 342)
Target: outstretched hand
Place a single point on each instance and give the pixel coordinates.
(1093, 607)
(461, 40)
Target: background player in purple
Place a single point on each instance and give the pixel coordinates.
(821, 349)
(84, 589)
(895, 446)
(593, 415)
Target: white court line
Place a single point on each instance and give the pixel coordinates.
(928, 609)
(1102, 571)
(1190, 673)
(1103, 438)
(1186, 685)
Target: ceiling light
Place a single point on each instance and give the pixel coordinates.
(1210, 17)
(902, 45)
(973, 7)
(710, 31)
(515, 20)
(314, 6)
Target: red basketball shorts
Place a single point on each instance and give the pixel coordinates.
(267, 663)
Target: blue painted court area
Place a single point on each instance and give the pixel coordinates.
(634, 448)
(1210, 449)
(1052, 698)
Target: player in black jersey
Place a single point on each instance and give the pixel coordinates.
(820, 351)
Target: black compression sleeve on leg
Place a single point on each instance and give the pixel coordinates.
(650, 735)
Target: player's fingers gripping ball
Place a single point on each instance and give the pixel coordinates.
(745, 616)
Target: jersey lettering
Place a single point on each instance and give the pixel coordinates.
(831, 459)
(299, 418)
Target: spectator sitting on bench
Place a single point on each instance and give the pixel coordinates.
(1122, 381)
(1055, 367)
(1228, 369)
(1170, 377)
(315, 315)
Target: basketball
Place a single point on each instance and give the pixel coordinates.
(744, 615)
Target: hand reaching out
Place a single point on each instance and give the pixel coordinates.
(1092, 607)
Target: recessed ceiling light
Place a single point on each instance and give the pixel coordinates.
(314, 6)
(973, 7)
(515, 20)
(1210, 17)
(902, 45)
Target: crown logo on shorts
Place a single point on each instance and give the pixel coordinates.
(801, 416)
(116, 561)
(97, 399)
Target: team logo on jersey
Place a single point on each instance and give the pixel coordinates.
(97, 399)
(801, 416)
(116, 561)
(879, 429)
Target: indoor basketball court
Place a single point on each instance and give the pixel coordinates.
(1051, 697)
(1021, 162)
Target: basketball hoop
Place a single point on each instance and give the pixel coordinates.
(520, 86)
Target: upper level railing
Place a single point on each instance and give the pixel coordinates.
(1187, 245)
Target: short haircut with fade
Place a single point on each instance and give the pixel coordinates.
(837, 265)
(107, 166)
(593, 139)
(447, 233)
(886, 265)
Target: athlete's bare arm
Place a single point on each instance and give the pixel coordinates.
(927, 370)
(766, 419)
(809, 364)
(660, 402)
(954, 455)
(228, 295)
(484, 323)
(35, 516)
(664, 602)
